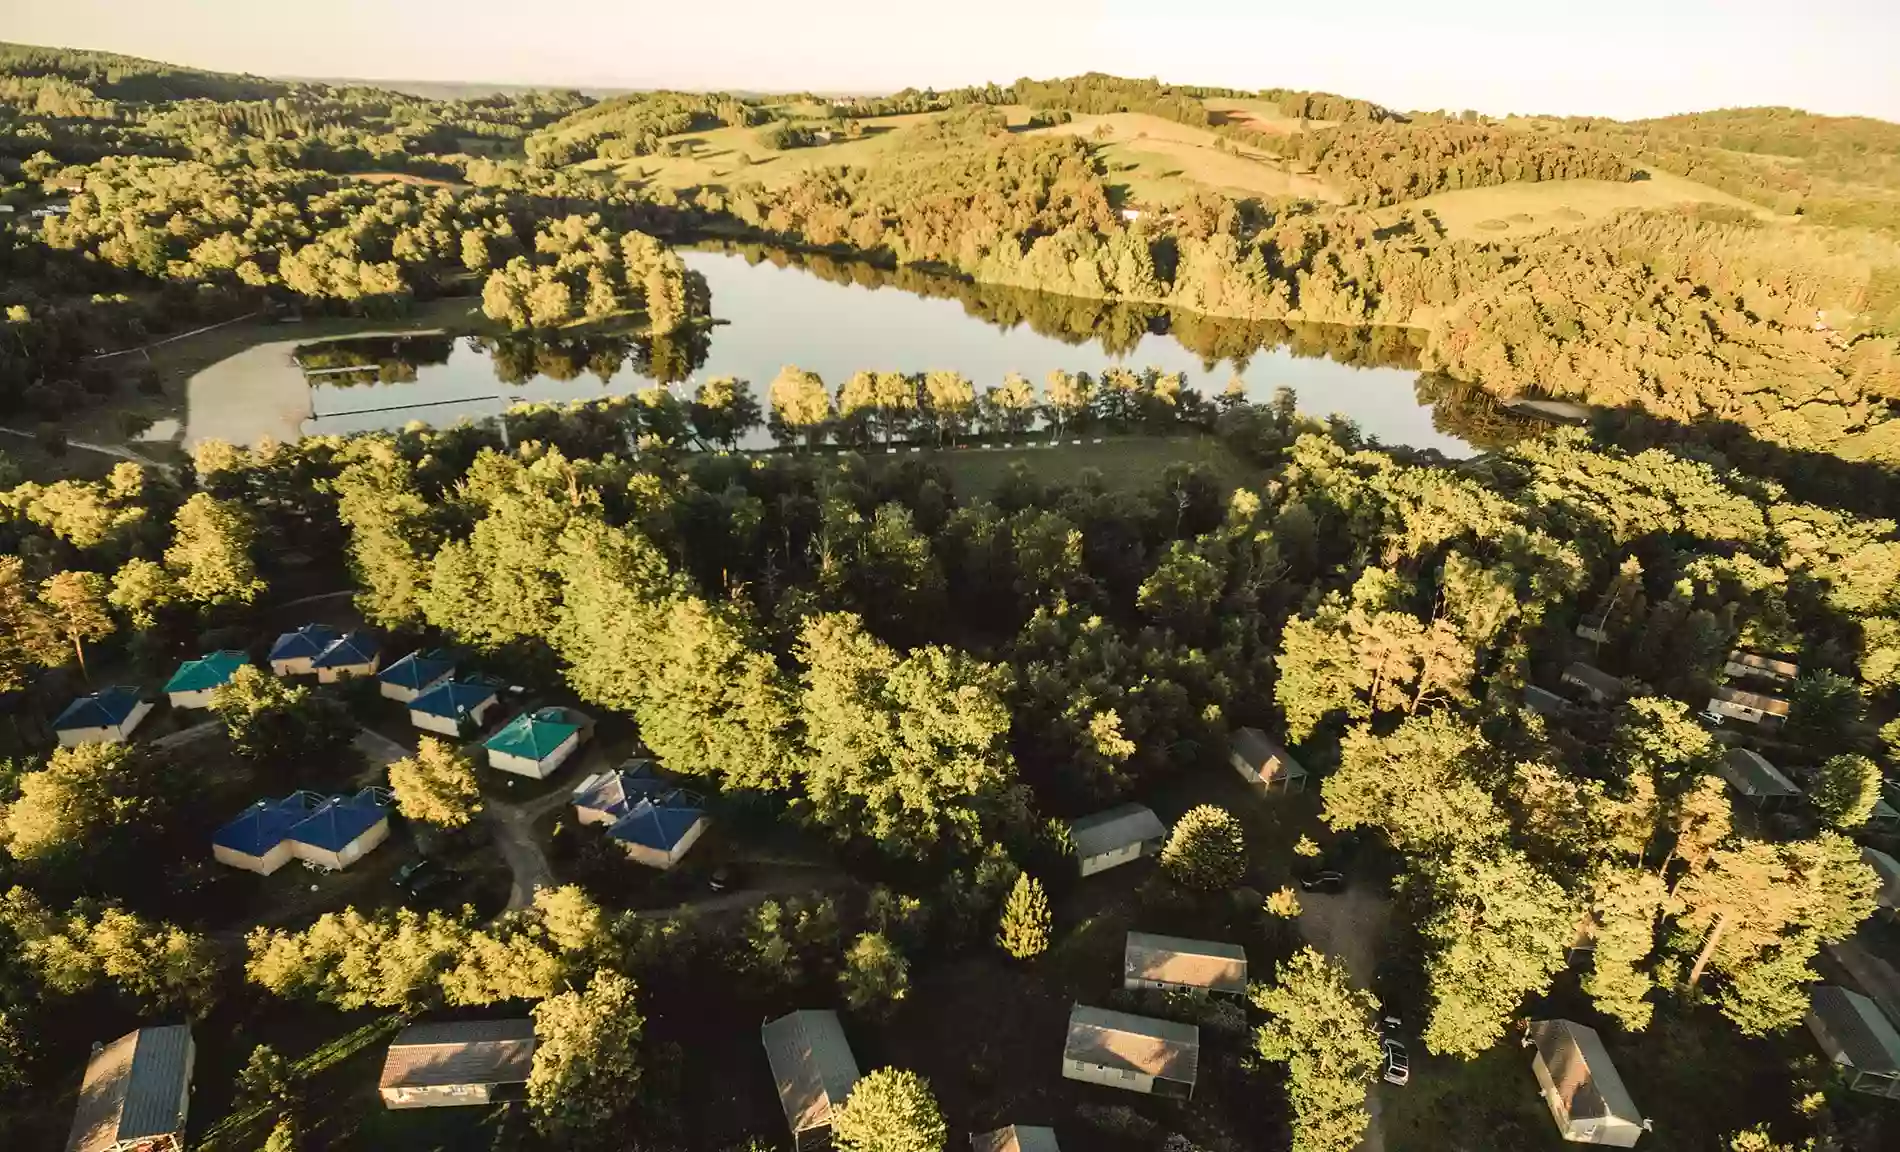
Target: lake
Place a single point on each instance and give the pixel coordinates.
(836, 318)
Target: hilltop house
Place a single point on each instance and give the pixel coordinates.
(191, 686)
(1016, 1138)
(107, 716)
(1594, 682)
(327, 832)
(814, 1069)
(1115, 837)
(536, 744)
(136, 1093)
(1261, 762)
(448, 1065)
(295, 653)
(355, 654)
(1858, 1037)
(1752, 707)
(453, 706)
(414, 674)
(1580, 1084)
(1137, 1053)
(1754, 780)
(1182, 965)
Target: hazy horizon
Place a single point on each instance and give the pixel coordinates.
(1622, 58)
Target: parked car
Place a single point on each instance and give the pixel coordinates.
(1398, 1066)
(726, 878)
(420, 878)
(1323, 881)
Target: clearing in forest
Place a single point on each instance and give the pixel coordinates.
(1161, 161)
(733, 155)
(1510, 211)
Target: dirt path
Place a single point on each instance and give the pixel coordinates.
(120, 451)
(1349, 927)
(788, 882)
(512, 826)
(189, 735)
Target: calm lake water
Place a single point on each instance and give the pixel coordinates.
(836, 319)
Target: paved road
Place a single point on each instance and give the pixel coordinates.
(196, 732)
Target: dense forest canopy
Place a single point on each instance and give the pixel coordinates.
(909, 674)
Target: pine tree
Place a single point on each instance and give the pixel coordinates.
(1024, 933)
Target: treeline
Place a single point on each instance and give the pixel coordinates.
(1386, 163)
(632, 125)
(131, 78)
(1326, 106)
(1730, 329)
(1840, 170)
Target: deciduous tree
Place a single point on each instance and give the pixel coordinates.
(890, 1110)
(77, 604)
(437, 785)
(1322, 1029)
(1207, 850)
(586, 1070)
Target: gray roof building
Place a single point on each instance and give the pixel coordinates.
(1116, 829)
(1585, 1094)
(1164, 1049)
(135, 1092)
(1016, 1138)
(1750, 701)
(1544, 702)
(1600, 685)
(1261, 760)
(1753, 777)
(1856, 1035)
(1177, 962)
(470, 1053)
(812, 1062)
(1742, 663)
(1888, 869)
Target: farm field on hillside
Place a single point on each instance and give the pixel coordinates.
(1509, 211)
(731, 155)
(1161, 161)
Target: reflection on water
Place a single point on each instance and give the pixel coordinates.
(836, 318)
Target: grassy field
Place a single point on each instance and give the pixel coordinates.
(728, 156)
(1511, 211)
(1127, 464)
(1160, 161)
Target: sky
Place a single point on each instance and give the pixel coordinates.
(1623, 58)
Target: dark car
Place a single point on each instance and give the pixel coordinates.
(1323, 881)
(421, 878)
(726, 877)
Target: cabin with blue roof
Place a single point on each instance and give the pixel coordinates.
(328, 832)
(535, 744)
(453, 707)
(107, 716)
(415, 674)
(191, 686)
(352, 654)
(656, 829)
(295, 653)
